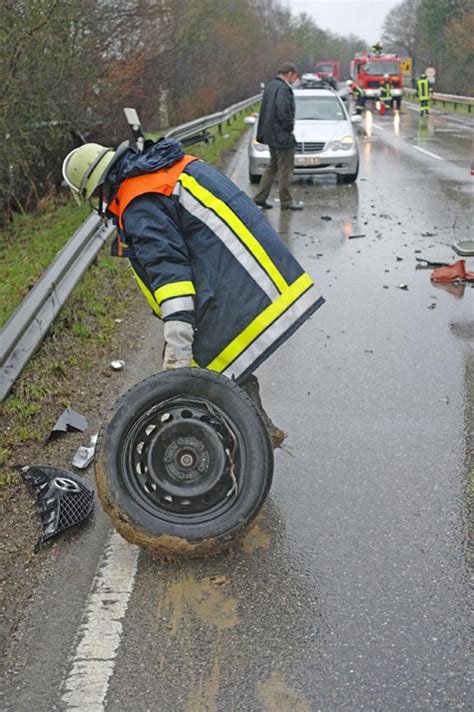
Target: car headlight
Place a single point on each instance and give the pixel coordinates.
(259, 146)
(344, 144)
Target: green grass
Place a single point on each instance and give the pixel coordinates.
(86, 322)
(29, 245)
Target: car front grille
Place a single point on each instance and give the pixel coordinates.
(309, 146)
(371, 83)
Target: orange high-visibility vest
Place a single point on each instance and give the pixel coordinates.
(161, 181)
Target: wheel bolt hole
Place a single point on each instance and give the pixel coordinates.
(186, 414)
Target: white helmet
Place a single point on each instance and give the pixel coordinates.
(349, 82)
(85, 168)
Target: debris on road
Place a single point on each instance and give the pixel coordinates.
(63, 499)
(428, 264)
(326, 217)
(69, 420)
(117, 365)
(85, 454)
(453, 273)
(465, 248)
(353, 237)
(403, 286)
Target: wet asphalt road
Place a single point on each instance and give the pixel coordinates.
(352, 591)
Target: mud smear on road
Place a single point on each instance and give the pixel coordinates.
(188, 602)
(190, 597)
(255, 539)
(277, 696)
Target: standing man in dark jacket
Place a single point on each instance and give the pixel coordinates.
(275, 128)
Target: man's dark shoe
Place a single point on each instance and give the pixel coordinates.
(263, 204)
(293, 206)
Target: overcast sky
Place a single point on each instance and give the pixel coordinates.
(359, 17)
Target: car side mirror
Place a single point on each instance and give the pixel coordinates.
(356, 119)
(250, 120)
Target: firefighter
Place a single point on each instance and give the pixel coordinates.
(386, 99)
(210, 265)
(359, 95)
(423, 94)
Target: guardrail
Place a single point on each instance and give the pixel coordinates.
(28, 326)
(197, 127)
(446, 98)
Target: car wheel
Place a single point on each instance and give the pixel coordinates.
(183, 463)
(254, 179)
(348, 177)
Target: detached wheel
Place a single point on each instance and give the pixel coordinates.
(183, 463)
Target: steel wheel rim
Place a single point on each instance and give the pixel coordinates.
(195, 480)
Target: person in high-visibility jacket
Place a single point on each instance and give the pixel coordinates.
(359, 96)
(212, 268)
(423, 94)
(386, 99)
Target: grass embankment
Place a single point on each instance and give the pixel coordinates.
(87, 321)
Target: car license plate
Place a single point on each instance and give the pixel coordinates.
(306, 161)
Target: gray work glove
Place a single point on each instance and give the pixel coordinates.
(179, 337)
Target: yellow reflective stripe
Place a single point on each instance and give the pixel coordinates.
(175, 289)
(151, 300)
(263, 320)
(236, 224)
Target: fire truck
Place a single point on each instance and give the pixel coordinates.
(368, 70)
(328, 69)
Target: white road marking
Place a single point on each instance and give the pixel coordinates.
(99, 635)
(423, 150)
(428, 153)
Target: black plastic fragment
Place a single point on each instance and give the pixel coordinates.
(64, 499)
(68, 420)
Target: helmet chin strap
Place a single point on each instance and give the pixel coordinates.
(100, 209)
(99, 197)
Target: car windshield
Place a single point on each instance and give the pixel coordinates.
(325, 68)
(384, 66)
(318, 108)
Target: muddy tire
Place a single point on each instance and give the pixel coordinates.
(183, 463)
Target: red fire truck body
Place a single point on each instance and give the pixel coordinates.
(368, 71)
(328, 68)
